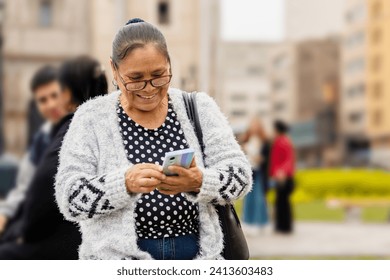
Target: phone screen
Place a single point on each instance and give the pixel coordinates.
(182, 158)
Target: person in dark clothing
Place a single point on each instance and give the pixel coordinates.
(39, 231)
(34, 122)
(265, 153)
(46, 93)
(282, 168)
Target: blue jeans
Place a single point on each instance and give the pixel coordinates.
(184, 247)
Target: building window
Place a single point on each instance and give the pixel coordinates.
(377, 90)
(377, 118)
(279, 107)
(351, 92)
(361, 89)
(262, 97)
(377, 36)
(355, 91)
(356, 14)
(281, 61)
(377, 9)
(255, 71)
(237, 97)
(238, 113)
(376, 63)
(163, 12)
(183, 82)
(306, 56)
(45, 13)
(262, 113)
(356, 65)
(279, 85)
(355, 39)
(356, 117)
(192, 70)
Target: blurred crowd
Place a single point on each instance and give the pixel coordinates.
(273, 165)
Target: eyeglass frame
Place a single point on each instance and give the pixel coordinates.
(144, 81)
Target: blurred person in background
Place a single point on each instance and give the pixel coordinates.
(255, 214)
(46, 96)
(110, 177)
(265, 153)
(34, 121)
(39, 231)
(282, 168)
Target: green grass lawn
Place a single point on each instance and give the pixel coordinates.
(316, 186)
(318, 211)
(376, 214)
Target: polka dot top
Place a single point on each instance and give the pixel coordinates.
(158, 215)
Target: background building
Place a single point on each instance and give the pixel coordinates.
(353, 100)
(36, 33)
(281, 73)
(378, 86)
(313, 19)
(305, 86)
(191, 29)
(242, 85)
(47, 31)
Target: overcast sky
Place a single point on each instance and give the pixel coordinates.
(258, 20)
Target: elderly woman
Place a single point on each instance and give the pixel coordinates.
(110, 177)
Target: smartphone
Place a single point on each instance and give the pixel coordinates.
(182, 158)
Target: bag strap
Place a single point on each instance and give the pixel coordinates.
(192, 112)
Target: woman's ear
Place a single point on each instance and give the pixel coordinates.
(113, 69)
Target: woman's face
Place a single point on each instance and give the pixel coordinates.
(139, 65)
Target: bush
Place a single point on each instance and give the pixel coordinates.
(341, 183)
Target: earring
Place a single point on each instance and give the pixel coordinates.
(114, 83)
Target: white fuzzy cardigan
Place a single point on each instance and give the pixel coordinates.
(90, 183)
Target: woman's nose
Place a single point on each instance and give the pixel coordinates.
(149, 86)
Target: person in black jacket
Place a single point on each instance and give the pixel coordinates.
(265, 152)
(39, 230)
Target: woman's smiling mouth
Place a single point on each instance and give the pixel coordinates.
(147, 97)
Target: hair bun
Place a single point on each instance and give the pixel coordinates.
(134, 20)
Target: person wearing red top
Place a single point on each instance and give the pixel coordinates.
(282, 168)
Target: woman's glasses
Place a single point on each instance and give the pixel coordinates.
(140, 85)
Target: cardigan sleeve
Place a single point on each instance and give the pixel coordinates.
(228, 175)
(81, 192)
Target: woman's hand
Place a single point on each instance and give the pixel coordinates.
(188, 180)
(144, 177)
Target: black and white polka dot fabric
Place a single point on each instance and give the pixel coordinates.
(158, 215)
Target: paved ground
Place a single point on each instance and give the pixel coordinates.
(312, 239)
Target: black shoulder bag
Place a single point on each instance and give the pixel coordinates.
(235, 246)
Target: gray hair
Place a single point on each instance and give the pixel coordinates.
(137, 34)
